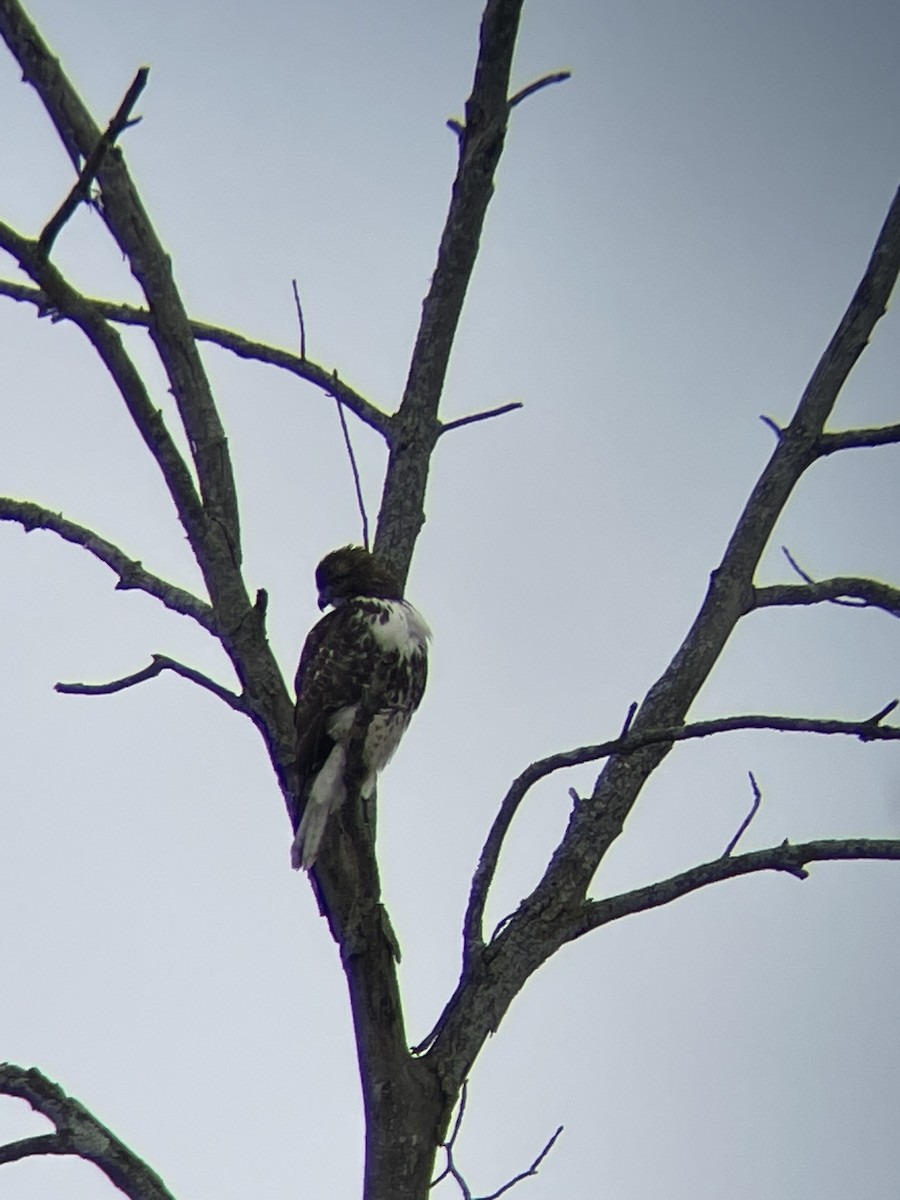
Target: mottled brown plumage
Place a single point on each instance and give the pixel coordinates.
(373, 646)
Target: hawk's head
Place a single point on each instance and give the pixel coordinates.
(354, 571)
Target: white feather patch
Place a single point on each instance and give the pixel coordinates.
(326, 796)
(399, 627)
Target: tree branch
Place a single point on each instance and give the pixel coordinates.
(310, 372)
(869, 592)
(69, 303)
(219, 550)
(446, 426)
(82, 187)
(210, 518)
(867, 730)
(79, 1133)
(132, 575)
(854, 439)
(45, 1143)
(532, 1170)
(745, 824)
(544, 81)
(788, 858)
(417, 426)
(451, 1170)
(357, 484)
(598, 822)
(159, 663)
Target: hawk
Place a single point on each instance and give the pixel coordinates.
(372, 649)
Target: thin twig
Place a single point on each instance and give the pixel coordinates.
(796, 566)
(544, 81)
(82, 187)
(845, 603)
(159, 663)
(452, 1171)
(361, 504)
(876, 718)
(773, 425)
(481, 416)
(300, 320)
(532, 1170)
(754, 809)
(629, 717)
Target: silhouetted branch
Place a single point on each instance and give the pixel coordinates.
(532, 1170)
(360, 502)
(446, 426)
(864, 593)
(856, 439)
(788, 858)
(451, 1170)
(544, 81)
(45, 1143)
(809, 579)
(82, 187)
(418, 427)
(226, 339)
(63, 299)
(132, 575)
(867, 730)
(458, 127)
(80, 1134)
(216, 542)
(300, 320)
(160, 663)
(594, 826)
(745, 824)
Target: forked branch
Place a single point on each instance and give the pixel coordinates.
(68, 303)
(82, 188)
(78, 1133)
(870, 729)
(452, 1171)
(218, 549)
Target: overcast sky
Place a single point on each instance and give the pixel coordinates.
(675, 234)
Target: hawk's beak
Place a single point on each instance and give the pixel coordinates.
(323, 602)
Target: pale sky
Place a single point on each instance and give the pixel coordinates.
(675, 234)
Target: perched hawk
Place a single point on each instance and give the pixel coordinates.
(372, 649)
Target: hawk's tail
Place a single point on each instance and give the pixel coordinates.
(325, 797)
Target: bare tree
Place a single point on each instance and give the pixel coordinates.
(410, 1094)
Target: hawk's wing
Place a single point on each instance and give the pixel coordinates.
(335, 664)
